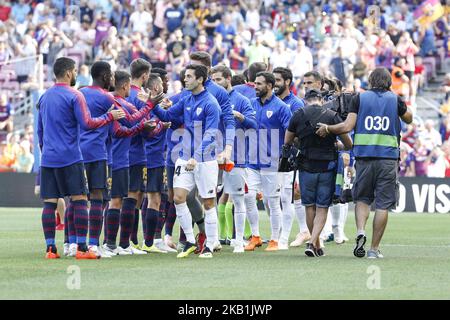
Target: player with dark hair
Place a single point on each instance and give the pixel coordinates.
(62, 110)
(248, 89)
(122, 207)
(197, 166)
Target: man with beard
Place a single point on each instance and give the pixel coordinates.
(272, 116)
(62, 110)
(283, 81)
(234, 180)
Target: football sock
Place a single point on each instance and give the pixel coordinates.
(185, 219)
(287, 214)
(161, 217)
(335, 213)
(105, 213)
(134, 232)
(126, 221)
(301, 215)
(151, 220)
(66, 225)
(70, 224)
(275, 217)
(112, 225)
(252, 212)
(247, 230)
(211, 228)
(239, 216)
(49, 224)
(143, 213)
(170, 219)
(81, 221)
(222, 220)
(95, 222)
(229, 219)
(182, 234)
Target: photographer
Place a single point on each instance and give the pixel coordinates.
(317, 163)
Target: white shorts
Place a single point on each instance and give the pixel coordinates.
(234, 181)
(204, 176)
(268, 182)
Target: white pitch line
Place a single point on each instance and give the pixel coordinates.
(414, 246)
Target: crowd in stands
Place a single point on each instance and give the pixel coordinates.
(345, 39)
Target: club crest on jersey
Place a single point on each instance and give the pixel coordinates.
(198, 111)
(269, 114)
(232, 106)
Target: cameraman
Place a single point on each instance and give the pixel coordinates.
(318, 163)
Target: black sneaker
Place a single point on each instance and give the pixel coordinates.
(310, 250)
(320, 252)
(223, 241)
(359, 248)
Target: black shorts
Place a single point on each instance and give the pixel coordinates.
(96, 174)
(170, 171)
(376, 180)
(62, 182)
(107, 191)
(138, 178)
(120, 181)
(155, 179)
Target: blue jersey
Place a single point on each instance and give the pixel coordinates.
(137, 152)
(242, 105)
(247, 90)
(272, 118)
(201, 117)
(226, 124)
(169, 132)
(121, 145)
(93, 142)
(293, 102)
(377, 130)
(62, 112)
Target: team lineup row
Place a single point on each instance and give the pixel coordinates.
(122, 137)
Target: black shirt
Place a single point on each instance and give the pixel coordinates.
(354, 105)
(211, 19)
(319, 114)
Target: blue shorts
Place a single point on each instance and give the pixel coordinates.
(96, 174)
(138, 177)
(120, 182)
(155, 179)
(170, 171)
(62, 182)
(317, 189)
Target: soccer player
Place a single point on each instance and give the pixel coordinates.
(272, 116)
(154, 149)
(283, 81)
(140, 71)
(197, 167)
(62, 110)
(122, 207)
(93, 147)
(234, 181)
(248, 89)
(226, 126)
(375, 115)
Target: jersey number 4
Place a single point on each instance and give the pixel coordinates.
(178, 170)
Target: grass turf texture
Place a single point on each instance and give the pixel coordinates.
(416, 266)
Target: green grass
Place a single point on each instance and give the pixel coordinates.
(416, 266)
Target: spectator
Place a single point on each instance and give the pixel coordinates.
(212, 20)
(6, 162)
(436, 163)
(24, 161)
(405, 167)
(419, 158)
(101, 30)
(5, 11)
(27, 51)
(252, 17)
(341, 67)
(237, 55)
(84, 77)
(190, 27)
(177, 54)
(280, 57)
(226, 29)
(5, 54)
(159, 23)
(85, 39)
(257, 52)
(301, 62)
(70, 26)
(20, 11)
(108, 53)
(57, 42)
(158, 54)
(218, 50)
(174, 16)
(430, 136)
(446, 149)
(86, 10)
(141, 20)
(6, 114)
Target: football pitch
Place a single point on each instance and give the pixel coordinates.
(416, 266)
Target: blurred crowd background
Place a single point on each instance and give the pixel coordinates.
(345, 39)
